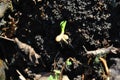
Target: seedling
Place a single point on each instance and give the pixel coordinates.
(68, 62)
(56, 75)
(62, 36)
(101, 66)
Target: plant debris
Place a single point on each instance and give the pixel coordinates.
(60, 39)
(103, 51)
(33, 56)
(3, 66)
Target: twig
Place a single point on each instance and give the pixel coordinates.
(74, 60)
(61, 74)
(85, 48)
(8, 39)
(103, 51)
(21, 76)
(105, 65)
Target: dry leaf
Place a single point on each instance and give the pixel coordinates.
(3, 66)
(33, 56)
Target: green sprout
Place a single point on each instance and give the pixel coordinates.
(57, 71)
(56, 76)
(97, 60)
(51, 77)
(62, 36)
(68, 62)
(63, 25)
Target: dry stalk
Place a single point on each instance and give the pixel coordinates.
(105, 65)
(108, 50)
(20, 75)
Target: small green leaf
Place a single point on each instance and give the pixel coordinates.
(57, 71)
(51, 77)
(97, 60)
(68, 62)
(62, 25)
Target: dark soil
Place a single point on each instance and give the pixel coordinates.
(93, 24)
